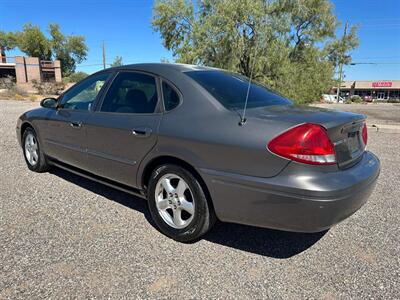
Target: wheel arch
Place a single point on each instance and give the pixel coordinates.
(24, 126)
(167, 159)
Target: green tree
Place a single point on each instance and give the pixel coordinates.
(117, 61)
(32, 41)
(338, 50)
(281, 43)
(8, 41)
(69, 49)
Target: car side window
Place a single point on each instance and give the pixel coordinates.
(131, 92)
(83, 95)
(171, 97)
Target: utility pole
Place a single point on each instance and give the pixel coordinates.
(104, 56)
(341, 63)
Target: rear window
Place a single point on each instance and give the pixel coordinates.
(171, 98)
(230, 89)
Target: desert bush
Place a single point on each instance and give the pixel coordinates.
(354, 99)
(19, 91)
(7, 94)
(7, 82)
(12, 90)
(18, 97)
(48, 87)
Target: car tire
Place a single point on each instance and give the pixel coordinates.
(179, 209)
(34, 157)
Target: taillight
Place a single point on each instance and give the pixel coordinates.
(306, 143)
(365, 134)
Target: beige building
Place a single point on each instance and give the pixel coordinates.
(26, 69)
(371, 89)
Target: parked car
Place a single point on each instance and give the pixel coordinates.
(178, 136)
(331, 98)
(368, 99)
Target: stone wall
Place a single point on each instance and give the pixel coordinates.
(29, 68)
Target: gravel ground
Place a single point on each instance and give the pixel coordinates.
(382, 113)
(62, 236)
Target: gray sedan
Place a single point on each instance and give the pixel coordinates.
(203, 144)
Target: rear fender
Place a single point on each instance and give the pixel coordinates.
(170, 151)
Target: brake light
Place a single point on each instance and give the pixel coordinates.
(307, 143)
(364, 134)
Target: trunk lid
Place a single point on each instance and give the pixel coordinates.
(344, 128)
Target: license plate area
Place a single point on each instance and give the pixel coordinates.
(349, 147)
(353, 142)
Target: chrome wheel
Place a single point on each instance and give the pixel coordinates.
(174, 201)
(31, 149)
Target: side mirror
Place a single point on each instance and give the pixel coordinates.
(49, 103)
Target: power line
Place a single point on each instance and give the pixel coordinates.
(375, 63)
(377, 57)
(89, 65)
(380, 25)
(378, 28)
(379, 19)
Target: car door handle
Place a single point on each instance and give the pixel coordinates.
(141, 131)
(76, 124)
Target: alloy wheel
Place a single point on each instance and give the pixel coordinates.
(174, 201)
(31, 149)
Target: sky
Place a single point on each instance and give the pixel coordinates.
(125, 28)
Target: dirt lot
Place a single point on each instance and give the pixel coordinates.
(381, 113)
(62, 236)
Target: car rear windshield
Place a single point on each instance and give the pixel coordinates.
(230, 89)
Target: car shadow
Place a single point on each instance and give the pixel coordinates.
(110, 193)
(261, 241)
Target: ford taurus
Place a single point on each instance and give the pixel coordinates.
(203, 144)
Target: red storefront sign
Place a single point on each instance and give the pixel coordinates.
(382, 84)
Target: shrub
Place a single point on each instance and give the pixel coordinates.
(48, 87)
(12, 90)
(19, 91)
(354, 99)
(75, 77)
(15, 93)
(7, 83)
(18, 97)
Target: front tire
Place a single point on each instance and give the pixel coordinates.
(33, 154)
(178, 204)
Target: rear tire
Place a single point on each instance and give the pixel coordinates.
(34, 157)
(178, 204)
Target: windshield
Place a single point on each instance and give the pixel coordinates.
(230, 89)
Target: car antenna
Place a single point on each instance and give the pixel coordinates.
(243, 117)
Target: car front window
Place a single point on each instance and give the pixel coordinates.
(82, 96)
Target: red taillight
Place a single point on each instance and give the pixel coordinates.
(365, 134)
(306, 143)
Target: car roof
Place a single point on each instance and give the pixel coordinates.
(156, 67)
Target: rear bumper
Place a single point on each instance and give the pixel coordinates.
(300, 198)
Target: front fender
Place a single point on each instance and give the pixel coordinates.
(28, 118)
